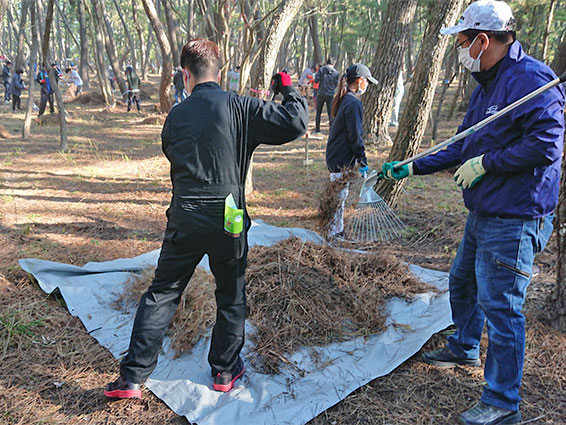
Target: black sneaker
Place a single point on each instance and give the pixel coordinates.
(485, 414)
(445, 358)
(121, 388)
(224, 381)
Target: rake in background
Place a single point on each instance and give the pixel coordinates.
(374, 220)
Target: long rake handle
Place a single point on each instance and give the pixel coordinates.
(482, 123)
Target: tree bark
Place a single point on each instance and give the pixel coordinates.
(393, 37)
(171, 32)
(316, 49)
(280, 23)
(63, 146)
(109, 43)
(556, 302)
(252, 33)
(149, 43)
(165, 86)
(19, 62)
(409, 61)
(128, 35)
(141, 38)
(547, 30)
(98, 41)
(303, 58)
(559, 62)
(190, 19)
(419, 100)
(58, 36)
(3, 8)
(451, 70)
(83, 62)
(26, 130)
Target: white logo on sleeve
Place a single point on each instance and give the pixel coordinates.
(491, 110)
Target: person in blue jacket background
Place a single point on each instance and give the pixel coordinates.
(509, 172)
(345, 147)
(46, 92)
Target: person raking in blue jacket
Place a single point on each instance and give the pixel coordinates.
(509, 172)
(345, 148)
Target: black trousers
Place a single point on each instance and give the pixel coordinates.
(45, 97)
(320, 101)
(133, 98)
(187, 238)
(16, 102)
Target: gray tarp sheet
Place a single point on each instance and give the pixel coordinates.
(184, 384)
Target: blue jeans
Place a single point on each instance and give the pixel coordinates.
(488, 281)
(179, 95)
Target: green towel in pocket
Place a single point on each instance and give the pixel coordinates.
(233, 217)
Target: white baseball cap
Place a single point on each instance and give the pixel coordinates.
(485, 15)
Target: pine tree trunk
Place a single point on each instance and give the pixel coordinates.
(303, 51)
(190, 19)
(3, 8)
(556, 301)
(171, 32)
(26, 130)
(409, 55)
(280, 23)
(63, 146)
(109, 42)
(386, 65)
(163, 41)
(149, 43)
(419, 100)
(83, 63)
(316, 49)
(559, 62)
(547, 30)
(141, 38)
(449, 75)
(98, 41)
(19, 62)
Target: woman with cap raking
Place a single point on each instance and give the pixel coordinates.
(345, 147)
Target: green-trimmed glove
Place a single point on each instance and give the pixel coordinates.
(389, 172)
(470, 173)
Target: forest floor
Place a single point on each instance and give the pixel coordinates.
(106, 199)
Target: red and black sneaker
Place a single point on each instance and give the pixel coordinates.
(224, 381)
(121, 388)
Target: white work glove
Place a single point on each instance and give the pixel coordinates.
(470, 173)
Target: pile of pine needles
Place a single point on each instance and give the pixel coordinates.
(301, 294)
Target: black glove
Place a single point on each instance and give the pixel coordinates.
(278, 81)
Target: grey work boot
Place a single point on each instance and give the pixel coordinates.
(485, 414)
(446, 358)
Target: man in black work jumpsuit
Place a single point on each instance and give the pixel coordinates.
(209, 139)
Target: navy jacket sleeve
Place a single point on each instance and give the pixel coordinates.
(443, 159)
(354, 129)
(275, 124)
(542, 123)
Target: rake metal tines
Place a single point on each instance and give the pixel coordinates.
(373, 220)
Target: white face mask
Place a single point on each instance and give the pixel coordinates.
(361, 91)
(467, 60)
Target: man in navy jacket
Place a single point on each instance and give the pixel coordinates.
(509, 172)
